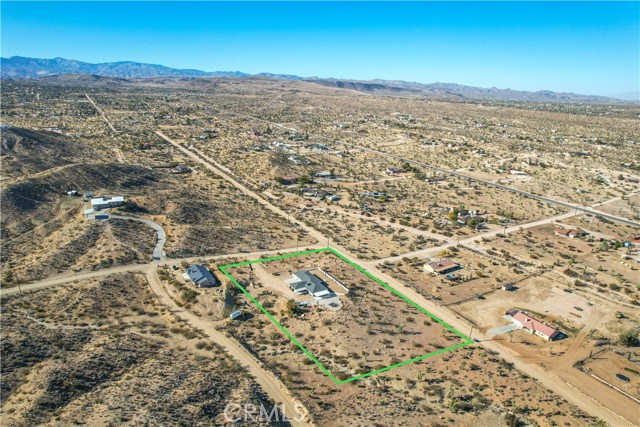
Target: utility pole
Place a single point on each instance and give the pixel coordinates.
(471, 332)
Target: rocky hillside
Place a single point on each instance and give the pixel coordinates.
(25, 151)
(104, 352)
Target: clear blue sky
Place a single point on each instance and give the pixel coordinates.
(583, 47)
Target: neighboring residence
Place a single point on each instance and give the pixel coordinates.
(466, 215)
(259, 148)
(442, 266)
(636, 241)
(319, 147)
(106, 202)
(468, 212)
(305, 282)
(533, 326)
(434, 179)
(464, 219)
(200, 276)
(282, 145)
(312, 192)
(288, 179)
(395, 171)
(181, 169)
(325, 174)
(573, 233)
(374, 194)
(298, 160)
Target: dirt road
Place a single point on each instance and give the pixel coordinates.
(561, 379)
(293, 410)
(213, 166)
(477, 238)
(545, 199)
(549, 379)
(71, 277)
(99, 110)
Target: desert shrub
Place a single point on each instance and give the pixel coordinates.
(629, 338)
(190, 296)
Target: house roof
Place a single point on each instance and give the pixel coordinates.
(442, 265)
(107, 199)
(535, 325)
(313, 283)
(200, 274)
(570, 231)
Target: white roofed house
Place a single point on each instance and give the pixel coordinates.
(305, 282)
(395, 171)
(106, 202)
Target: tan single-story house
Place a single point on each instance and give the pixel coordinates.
(534, 326)
(442, 266)
(571, 232)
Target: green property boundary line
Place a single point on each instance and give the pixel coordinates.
(466, 340)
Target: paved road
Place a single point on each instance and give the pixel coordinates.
(584, 209)
(158, 253)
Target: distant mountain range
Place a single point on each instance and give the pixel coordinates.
(17, 67)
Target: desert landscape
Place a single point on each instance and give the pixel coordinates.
(462, 209)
